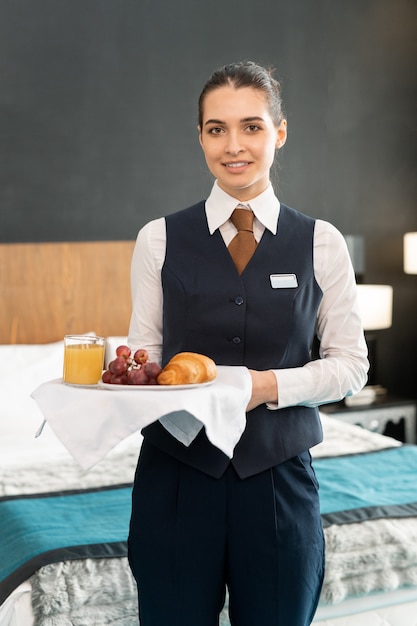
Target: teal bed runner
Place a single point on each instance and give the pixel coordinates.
(368, 486)
(36, 530)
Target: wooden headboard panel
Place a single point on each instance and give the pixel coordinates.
(48, 290)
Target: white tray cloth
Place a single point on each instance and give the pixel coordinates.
(90, 422)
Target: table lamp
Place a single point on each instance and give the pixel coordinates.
(375, 305)
(410, 253)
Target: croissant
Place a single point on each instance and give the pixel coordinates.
(188, 368)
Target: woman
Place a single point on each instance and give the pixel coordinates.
(200, 522)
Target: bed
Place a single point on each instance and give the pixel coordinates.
(77, 573)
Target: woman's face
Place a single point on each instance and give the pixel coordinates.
(239, 139)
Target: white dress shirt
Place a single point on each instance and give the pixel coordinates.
(341, 370)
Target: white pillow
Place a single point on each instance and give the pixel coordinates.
(22, 369)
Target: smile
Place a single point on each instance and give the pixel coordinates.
(239, 164)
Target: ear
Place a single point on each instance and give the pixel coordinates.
(199, 136)
(281, 134)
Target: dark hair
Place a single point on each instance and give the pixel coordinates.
(245, 74)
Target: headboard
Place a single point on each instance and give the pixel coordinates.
(48, 290)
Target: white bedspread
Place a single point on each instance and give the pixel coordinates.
(340, 438)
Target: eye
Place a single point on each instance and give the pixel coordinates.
(252, 128)
(216, 130)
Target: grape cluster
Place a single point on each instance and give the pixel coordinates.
(126, 369)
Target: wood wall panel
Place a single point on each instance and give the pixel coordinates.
(48, 290)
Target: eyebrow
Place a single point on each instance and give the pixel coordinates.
(254, 118)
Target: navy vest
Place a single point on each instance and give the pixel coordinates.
(241, 320)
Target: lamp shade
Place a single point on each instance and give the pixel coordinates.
(375, 305)
(410, 253)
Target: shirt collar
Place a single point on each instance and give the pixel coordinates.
(220, 206)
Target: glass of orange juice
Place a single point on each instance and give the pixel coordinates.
(83, 359)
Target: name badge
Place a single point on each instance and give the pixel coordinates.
(283, 281)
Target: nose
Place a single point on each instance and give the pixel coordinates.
(233, 146)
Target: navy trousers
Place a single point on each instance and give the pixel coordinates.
(191, 535)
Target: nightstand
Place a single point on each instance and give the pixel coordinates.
(378, 415)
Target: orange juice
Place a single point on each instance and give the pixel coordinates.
(83, 363)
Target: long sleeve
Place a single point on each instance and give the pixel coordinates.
(341, 371)
(145, 329)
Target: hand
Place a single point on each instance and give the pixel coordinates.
(264, 388)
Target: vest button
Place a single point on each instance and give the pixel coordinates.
(236, 340)
(238, 300)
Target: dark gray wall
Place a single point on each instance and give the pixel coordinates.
(98, 122)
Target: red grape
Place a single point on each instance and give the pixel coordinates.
(152, 369)
(140, 356)
(118, 366)
(137, 376)
(128, 370)
(119, 379)
(123, 351)
(107, 376)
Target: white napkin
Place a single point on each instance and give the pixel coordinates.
(90, 422)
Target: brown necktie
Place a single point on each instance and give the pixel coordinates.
(243, 245)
